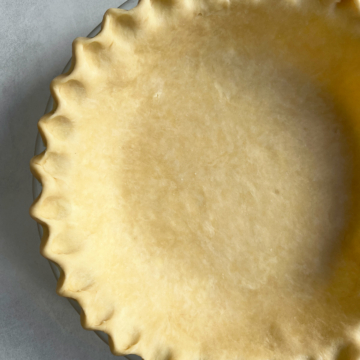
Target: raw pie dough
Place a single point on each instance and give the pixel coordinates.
(200, 183)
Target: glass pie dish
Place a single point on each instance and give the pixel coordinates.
(201, 180)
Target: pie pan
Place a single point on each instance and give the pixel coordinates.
(201, 179)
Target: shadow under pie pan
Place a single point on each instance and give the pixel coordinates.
(201, 180)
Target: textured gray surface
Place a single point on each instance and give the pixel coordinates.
(35, 44)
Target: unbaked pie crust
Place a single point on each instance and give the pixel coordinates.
(200, 179)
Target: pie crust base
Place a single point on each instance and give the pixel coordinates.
(200, 180)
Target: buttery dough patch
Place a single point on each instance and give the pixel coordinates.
(201, 180)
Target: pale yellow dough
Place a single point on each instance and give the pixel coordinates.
(200, 183)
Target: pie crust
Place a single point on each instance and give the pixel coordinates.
(200, 179)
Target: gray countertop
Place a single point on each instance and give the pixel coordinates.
(35, 45)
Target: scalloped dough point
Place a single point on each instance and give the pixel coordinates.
(53, 207)
(58, 126)
(214, 181)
